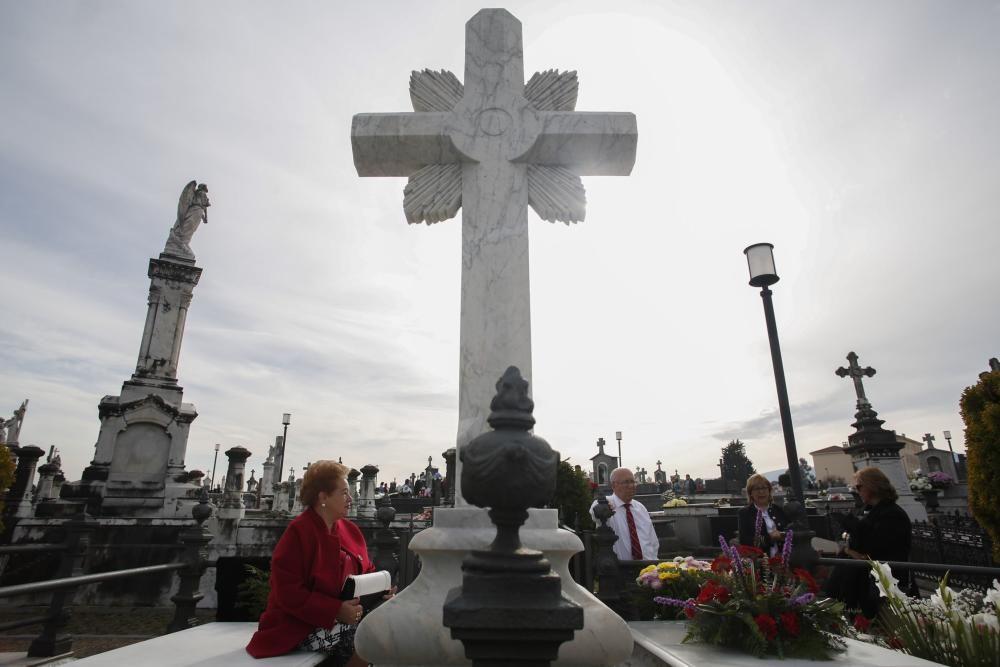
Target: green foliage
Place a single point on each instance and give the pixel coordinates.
(251, 594)
(980, 406)
(573, 497)
(735, 463)
(6, 476)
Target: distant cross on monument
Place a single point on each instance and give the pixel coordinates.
(856, 373)
(493, 147)
(929, 439)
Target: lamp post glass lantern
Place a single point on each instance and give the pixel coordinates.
(618, 437)
(947, 436)
(760, 261)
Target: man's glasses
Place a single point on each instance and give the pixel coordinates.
(630, 482)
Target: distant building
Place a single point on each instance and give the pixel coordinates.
(834, 461)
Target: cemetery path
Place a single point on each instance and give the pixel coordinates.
(95, 629)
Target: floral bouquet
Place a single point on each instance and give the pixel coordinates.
(675, 502)
(952, 628)
(940, 480)
(762, 606)
(920, 483)
(680, 578)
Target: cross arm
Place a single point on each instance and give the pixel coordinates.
(398, 144)
(588, 143)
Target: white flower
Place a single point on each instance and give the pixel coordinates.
(985, 620)
(887, 584)
(993, 596)
(943, 597)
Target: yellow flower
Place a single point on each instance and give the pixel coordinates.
(669, 576)
(647, 570)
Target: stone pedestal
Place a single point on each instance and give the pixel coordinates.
(19, 496)
(407, 630)
(352, 485)
(232, 500)
(267, 479)
(142, 442)
(366, 500)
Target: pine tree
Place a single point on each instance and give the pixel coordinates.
(980, 406)
(735, 463)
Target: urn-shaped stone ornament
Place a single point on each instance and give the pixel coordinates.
(508, 467)
(510, 609)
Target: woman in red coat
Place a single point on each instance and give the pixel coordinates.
(310, 563)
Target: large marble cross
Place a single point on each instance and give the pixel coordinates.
(493, 147)
(856, 373)
(929, 439)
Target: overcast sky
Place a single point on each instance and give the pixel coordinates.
(860, 138)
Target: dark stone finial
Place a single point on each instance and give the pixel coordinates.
(512, 407)
(510, 603)
(202, 510)
(602, 511)
(385, 514)
(509, 467)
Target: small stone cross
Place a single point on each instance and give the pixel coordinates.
(658, 464)
(929, 439)
(856, 373)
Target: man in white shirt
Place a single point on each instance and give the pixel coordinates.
(631, 522)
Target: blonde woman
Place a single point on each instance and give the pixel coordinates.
(761, 523)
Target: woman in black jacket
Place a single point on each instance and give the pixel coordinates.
(881, 533)
(767, 532)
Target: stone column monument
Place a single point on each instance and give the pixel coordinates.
(366, 501)
(142, 442)
(352, 485)
(872, 445)
(493, 146)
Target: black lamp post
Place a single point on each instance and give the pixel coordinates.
(618, 437)
(760, 260)
(211, 484)
(286, 419)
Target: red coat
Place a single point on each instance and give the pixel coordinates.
(308, 569)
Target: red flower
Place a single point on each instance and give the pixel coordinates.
(749, 552)
(767, 625)
(711, 591)
(689, 612)
(807, 579)
(721, 564)
(775, 562)
(790, 622)
(861, 622)
(706, 593)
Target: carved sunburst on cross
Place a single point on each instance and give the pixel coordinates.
(434, 193)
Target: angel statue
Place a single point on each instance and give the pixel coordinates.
(192, 209)
(10, 429)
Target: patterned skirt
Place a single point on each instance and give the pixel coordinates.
(337, 642)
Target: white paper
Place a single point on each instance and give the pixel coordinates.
(373, 582)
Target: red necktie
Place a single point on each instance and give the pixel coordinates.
(633, 534)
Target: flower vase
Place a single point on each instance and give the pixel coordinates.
(931, 499)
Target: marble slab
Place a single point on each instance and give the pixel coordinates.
(211, 644)
(659, 643)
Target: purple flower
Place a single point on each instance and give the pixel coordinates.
(673, 602)
(805, 598)
(786, 552)
(732, 554)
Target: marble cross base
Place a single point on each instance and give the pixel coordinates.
(408, 629)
